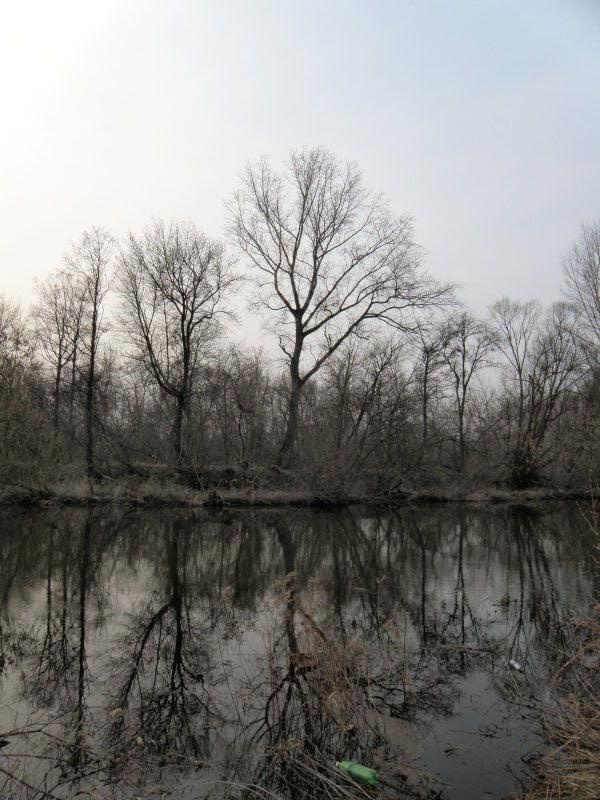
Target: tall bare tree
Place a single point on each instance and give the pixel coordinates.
(581, 268)
(57, 318)
(365, 393)
(329, 258)
(431, 342)
(13, 344)
(89, 263)
(517, 327)
(174, 285)
(543, 366)
(468, 343)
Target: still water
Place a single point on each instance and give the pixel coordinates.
(149, 654)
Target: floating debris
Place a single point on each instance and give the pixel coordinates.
(359, 773)
(515, 665)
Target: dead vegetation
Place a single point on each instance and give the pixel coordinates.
(170, 492)
(571, 771)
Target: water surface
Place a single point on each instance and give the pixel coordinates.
(173, 654)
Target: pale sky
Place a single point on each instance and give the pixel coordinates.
(481, 118)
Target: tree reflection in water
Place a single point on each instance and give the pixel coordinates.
(165, 662)
(231, 655)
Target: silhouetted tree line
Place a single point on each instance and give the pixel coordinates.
(124, 365)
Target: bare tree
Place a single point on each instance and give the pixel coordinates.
(329, 258)
(516, 325)
(543, 365)
(366, 393)
(25, 446)
(174, 285)
(57, 319)
(10, 317)
(581, 268)
(13, 344)
(468, 343)
(430, 359)
(238, 398)
(76, 346)
(89, 263)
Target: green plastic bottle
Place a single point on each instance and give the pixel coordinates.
(364, 775)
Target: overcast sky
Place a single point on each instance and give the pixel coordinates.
(480, 118)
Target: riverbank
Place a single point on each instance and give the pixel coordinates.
(571, 771)
(164, 495)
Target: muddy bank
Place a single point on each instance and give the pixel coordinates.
(173, 495)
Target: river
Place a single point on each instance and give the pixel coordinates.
(154, 653)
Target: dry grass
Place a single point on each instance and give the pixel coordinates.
(572, 772)
(78, 492)
(152, 487)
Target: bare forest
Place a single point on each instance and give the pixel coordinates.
(127, 369)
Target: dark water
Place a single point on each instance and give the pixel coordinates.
(172, 654)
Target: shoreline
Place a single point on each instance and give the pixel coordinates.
(177, 497)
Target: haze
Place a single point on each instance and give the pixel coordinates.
(480, 119)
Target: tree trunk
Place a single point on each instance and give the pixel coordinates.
(57, 377)
(425, 407)
(178, 431)
(73, 379)
(89, 411)
(287, 453)
(461, 437)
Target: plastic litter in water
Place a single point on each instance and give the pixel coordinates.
(359, 773)
(515, 665)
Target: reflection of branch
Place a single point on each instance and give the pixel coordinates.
(57, 653)
(139, 652)
(161, 665)
(37, 790)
